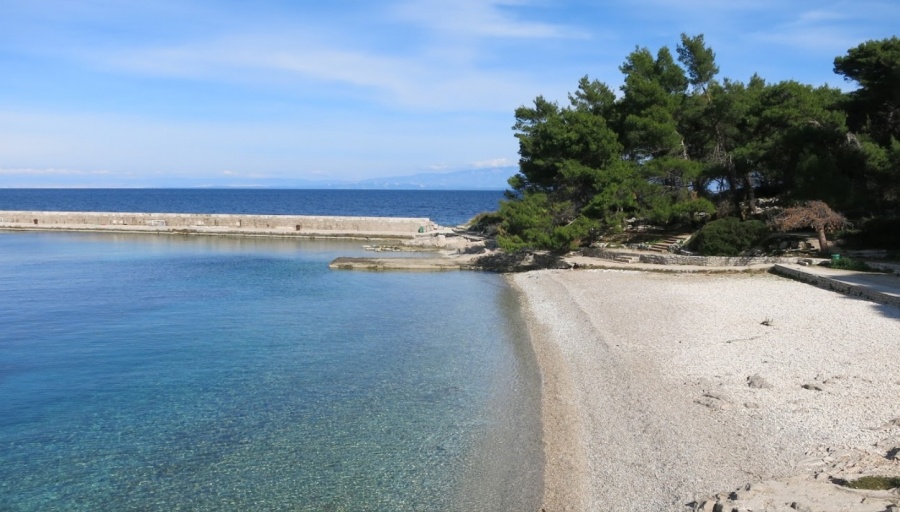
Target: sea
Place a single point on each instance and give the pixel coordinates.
(448, 208)
(172, 372)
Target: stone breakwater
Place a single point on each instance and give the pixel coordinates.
(229, 224)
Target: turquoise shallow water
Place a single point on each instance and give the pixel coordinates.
(180, 373)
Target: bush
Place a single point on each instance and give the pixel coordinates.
(848, 264)
(534, 222)
(877, 233)
(486, 223)
(689, 212)
(875, 483)
(728, 237)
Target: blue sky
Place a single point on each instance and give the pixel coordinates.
(221, 93)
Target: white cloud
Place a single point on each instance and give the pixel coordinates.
(481, 18)
(821, 40)
(493, 163)
(254, 175)
(50, 172)
(817, 16)
(828, 30)
(426, 81)
(454, 64)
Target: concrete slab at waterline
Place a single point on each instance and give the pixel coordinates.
(228, 224)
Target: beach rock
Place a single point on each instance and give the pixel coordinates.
(757, 382)
(714, 401)
(706, 506)
(475, 248)
(798, 494)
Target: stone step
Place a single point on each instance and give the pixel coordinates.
(667, 243)
(627, 259)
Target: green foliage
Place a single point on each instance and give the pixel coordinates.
(485, 222)
(549, 137)
(873, 483)
(535, 222)
(699, 60)
(691, 211)
(875, 107)
(873, 113)
(677, 140)
(850, 264)
(728, 237)
(876, 233)
(526, 223)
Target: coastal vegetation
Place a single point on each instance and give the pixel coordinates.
(812, 214)
(728, 236)
(680, 148)
(876, 483)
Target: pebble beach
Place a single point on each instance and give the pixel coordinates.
(684, 392)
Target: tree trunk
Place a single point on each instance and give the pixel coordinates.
(823, 242)
(751, 195)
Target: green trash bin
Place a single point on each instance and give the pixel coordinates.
(835, 258)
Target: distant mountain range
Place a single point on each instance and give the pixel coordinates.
(470, 179)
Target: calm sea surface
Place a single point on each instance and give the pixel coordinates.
(448, 208)
(214, 373)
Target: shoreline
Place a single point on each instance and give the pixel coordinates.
(565, 477)
(668, 392)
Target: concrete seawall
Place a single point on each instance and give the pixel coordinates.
(210, 224)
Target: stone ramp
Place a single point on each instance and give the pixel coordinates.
(400, 264)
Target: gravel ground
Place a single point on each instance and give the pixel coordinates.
(660, 390)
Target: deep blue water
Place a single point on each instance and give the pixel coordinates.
(146, 372)
(448, 208)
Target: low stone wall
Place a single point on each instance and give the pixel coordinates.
(282, 225)
(892, 268)
(678, 259)
(607, 254)
(714, 261)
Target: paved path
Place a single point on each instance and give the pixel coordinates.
(878, 287)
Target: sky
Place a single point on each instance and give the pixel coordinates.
(170, 93)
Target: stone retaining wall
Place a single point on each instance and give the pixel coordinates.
(285, 225)
(678, 259)
(892, 268)
(714, 261)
